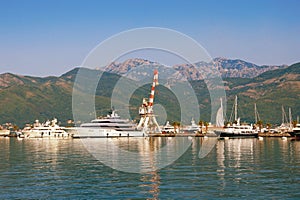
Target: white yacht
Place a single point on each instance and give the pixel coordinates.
(295, 131)
(236, 129)
(45, 130)
(193, 128)
(110, 126)
(167, 128)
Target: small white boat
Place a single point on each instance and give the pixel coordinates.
(193, 128)
(167, 128)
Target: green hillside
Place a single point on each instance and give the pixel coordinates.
(24, 99)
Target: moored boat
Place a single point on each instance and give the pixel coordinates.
(110, 126)
(167, 128)
(236, 129)
(192, 128)
(45, 130)
(295, 131)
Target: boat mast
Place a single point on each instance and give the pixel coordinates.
(255, 113)
(282, 110)
(235, 109)
(290, 118)
(257, 118)
(285, 120)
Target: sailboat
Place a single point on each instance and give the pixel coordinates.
(220, 117)
(286, 125)
(236, 129)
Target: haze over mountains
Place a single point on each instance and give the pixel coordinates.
(24, 99)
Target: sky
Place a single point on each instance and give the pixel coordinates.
(43, 38)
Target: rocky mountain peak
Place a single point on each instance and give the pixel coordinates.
(226, 67)
(127, 65)
(9, 79)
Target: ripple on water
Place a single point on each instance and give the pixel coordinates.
(37, 169)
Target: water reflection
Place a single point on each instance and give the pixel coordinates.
(137, 155)
(235, 158)
(220, 149)
(151, 182)
(235, 168)
(239, 150)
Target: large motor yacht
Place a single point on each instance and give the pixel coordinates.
(110, 126)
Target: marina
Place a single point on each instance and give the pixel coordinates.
(113, 125)
(150, 100)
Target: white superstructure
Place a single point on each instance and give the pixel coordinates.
(49, 129)
(193, 128)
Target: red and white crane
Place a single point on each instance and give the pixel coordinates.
(148, 121)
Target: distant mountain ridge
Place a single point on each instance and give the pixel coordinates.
(227, 68)
(239, 68)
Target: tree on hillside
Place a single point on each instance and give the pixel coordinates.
(201, 125)
(268, 126)
(176, 126)
(294, 123)
(206, 126)
(260, 125)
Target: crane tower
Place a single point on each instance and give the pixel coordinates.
(148, 121)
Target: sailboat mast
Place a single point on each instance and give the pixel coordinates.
(282, 110)
(255, 113)
(235, 109)
(290, 116)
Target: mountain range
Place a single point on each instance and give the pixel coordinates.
(24, 99)
(226, 67)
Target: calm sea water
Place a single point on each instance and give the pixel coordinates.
(235, 169)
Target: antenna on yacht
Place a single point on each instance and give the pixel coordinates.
(146, 110)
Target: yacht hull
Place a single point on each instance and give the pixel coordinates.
(48, 134)
(4, 133)
(236, 135)
(295, 134)
(104, 133)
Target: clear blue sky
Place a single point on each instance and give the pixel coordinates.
(51, 37)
